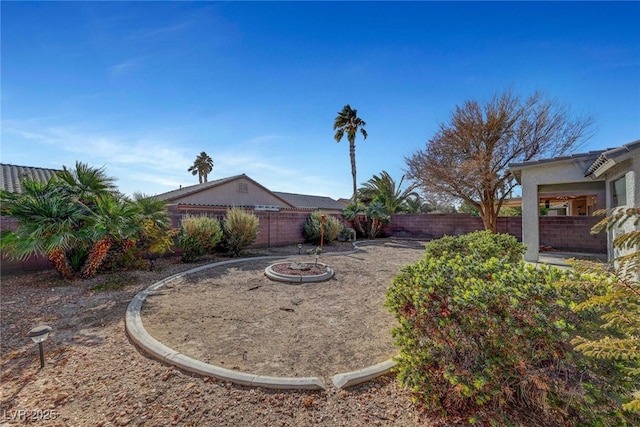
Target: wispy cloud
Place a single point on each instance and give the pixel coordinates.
(164, 31)
(125, 67)
(152, 163)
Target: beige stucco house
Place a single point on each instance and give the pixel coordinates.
(590, 181)
(242, 191)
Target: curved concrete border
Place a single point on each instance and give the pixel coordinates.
(290, 278)
(352, 378)
(139, 335)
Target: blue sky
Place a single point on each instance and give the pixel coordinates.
(142, 88)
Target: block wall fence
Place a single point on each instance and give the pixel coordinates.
(563, 233)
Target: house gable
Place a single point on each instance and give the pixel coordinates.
(238, 190)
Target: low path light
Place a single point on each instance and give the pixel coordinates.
(38, 335)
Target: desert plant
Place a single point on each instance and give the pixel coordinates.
(240, 229)
(313, 227)
(485, 338)
(198, 236)
(621, 303)
(483, 244)
(367, 220)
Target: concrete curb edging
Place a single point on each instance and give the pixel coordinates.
(352, 378)
(141, 338)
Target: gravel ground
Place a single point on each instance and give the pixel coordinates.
(94, 376)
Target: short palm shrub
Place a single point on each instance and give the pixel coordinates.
(198, 236)
(313, 227)
(487, 340)
(240, 229)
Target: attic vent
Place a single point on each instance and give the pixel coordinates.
(243, 187)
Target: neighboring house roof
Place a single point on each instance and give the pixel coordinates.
(608, 158)
(305, 201)
(198, 191)
(12, 176)
(216, 193)
(191, 189)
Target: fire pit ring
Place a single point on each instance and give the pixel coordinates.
(299, 272)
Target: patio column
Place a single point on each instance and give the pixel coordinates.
(530, 219)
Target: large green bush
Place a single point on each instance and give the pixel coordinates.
(240, 229)
(198, 236)
(488, 340)
(482, 244)
(313, 226)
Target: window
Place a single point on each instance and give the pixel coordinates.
(243, 187)
(619, 192)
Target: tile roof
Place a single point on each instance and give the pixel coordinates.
(12, 175)
(613, 155)
(305, 201)
(582, 156)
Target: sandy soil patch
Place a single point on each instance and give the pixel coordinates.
(235, 317)
(94, 376)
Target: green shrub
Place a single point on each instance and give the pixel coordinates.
(313, 225)
(488, 340)
(198, 236)
(240, 229)
(483, 244)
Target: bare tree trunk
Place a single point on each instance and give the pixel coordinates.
(489, 218)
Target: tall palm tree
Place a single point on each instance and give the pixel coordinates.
(349, 122)
(383, 189)
(202, 166)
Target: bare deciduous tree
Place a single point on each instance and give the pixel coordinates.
(468, 158)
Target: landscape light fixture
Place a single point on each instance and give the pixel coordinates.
(299, 248)
(38, 335)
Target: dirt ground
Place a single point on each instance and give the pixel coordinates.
(94, 376)
(235, 317)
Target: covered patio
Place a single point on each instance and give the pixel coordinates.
(576, 185)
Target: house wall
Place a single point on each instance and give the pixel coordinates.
(630, 170)
(229, 194)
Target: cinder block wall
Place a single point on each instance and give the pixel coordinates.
(564, 233)
(572, 234)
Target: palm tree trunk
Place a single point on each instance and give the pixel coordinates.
(96, 257)
(352, 154)
(59, 260)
